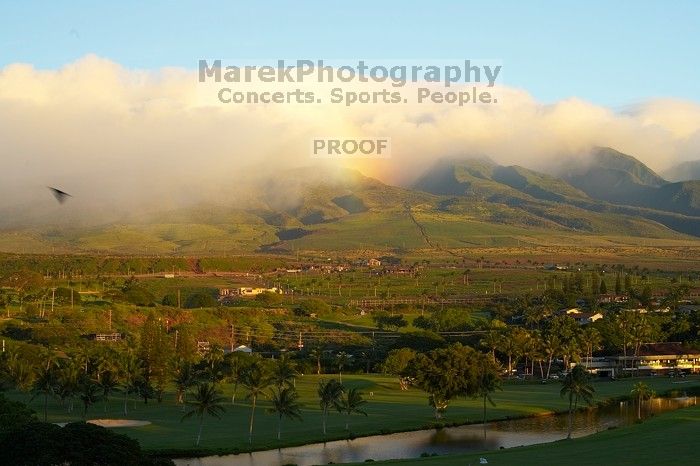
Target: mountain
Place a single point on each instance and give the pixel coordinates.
(584, 197)
(617, 178)
(458, 203)
(686, 171)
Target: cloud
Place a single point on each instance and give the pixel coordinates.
(123, 138)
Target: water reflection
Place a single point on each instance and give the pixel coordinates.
(477, 437)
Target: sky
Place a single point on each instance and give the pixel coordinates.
(102, 100)
(614, 54)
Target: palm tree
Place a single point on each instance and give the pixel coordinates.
(45, 385)
(207, 401)
(131, 371)
(21, 372)
(329, 392)
(577, 386)
(510, 344)
(255, 379)
(342, 360)
(592, 340)
(489, 380)
(213, 361)
(641, 391)
(236, 364)
(89, 393)
(351, 403)
(68, 383)
(551, 346)
(109, 384)
(491, 341)
(185, 378)
(283, 372)
(285, 404)
(317, 353)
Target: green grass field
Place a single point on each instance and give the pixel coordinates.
(389, 410)
(667, 439)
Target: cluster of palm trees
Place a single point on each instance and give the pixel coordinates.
(560, 339)
(82, 376)
(274, 380)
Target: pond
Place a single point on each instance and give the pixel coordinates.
(451, 440)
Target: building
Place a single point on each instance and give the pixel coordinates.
(670, 358)
(225, 293)
(585, 318)
(243, 349)
(105, 336)
(612, 298)
(374, 263)
(203, 347)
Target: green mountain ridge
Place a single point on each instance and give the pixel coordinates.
(458, 203)
(618, 178)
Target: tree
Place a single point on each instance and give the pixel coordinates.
(89, 393)
(488, 381)
(317, 353)
(45, 385)
(349, 403)
(444, 374)
(641, 392)
(255, 379)
(492, 339)
(154, 354)
(236, 363)
(213, 362)
(384, 320)
(269, 299)
(68, 383)
(513, 344)
(200, 300)
(78, 443)
(329, 393)
(397, 362)
(283, 372)
(108, 384)
(591, 339)
(21, 372)
(577, 386)
(342, 359)
(206, 401)
(14, 415)
(131, 372)
(144, 389)
(284, 404)
(185, 378)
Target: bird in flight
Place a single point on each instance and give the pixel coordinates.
(60, 196)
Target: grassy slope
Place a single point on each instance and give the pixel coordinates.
(668, 439)
(389, 410)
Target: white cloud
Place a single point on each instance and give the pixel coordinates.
(123, 135)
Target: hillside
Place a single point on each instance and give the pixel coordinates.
(584, 200)
(456, 204)
(617, 178)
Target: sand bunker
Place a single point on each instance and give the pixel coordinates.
(118, 422)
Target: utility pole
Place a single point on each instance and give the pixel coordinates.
(53, 298)
(232, 337)
(178, 298)
(110, 319)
